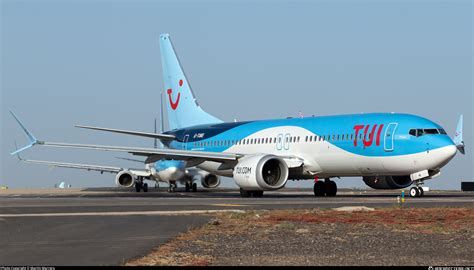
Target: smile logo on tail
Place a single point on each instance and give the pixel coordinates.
(174, 104)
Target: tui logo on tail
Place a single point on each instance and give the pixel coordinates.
(174, 104)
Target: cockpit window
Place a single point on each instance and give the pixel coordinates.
(420, 132)
(431, 131)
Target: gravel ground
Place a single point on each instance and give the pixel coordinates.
(326, 237)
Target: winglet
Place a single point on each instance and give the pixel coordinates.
(458, 140)
(30, 136)
(18, 154)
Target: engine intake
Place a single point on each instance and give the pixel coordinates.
(261, 172)
(124, 179)
(387, 182)
(210, 181)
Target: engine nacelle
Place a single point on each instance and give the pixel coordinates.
(261, 172)
(125, 179)
(387, 182)
(210, 181)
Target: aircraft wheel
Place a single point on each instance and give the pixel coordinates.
(244, 193)
(421, 191)
(331, 188)
(187, 188)
(145, 187)
(414, 192)
(319, 189)
(257, 193)
(195, 187)
(138, 186)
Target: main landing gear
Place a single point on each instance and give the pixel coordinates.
(325, 188)
(248, 193)
(190, 186)
(139, 185)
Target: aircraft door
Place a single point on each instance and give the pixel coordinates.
(389, 137)
(185, 142)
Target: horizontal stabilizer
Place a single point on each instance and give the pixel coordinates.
(165, 137)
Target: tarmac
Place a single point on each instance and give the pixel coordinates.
(108, 226)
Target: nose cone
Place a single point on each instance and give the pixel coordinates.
(445, 154)
(450, 152)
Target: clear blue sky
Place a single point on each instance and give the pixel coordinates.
(97, 63)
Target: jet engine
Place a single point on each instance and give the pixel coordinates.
(387, 182)
(261, 172)
(210, 181)
(125, 179)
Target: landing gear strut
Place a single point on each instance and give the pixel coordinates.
(187, 187)
(326, 188)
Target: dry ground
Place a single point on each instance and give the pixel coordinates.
(388, 236)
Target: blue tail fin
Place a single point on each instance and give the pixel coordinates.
(182, 107)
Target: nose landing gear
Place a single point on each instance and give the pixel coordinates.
(417, 191)
(172, 187)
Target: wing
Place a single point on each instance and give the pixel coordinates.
(165, 137)
(194, 158)
(75, 166)
(153, 154)
(98, 168)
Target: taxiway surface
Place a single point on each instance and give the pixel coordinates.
(107, 226)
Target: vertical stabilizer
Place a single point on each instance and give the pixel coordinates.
(181, 104)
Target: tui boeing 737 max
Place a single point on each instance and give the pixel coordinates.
(388, 150)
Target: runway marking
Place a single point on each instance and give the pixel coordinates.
(130, 213)
(228, 205)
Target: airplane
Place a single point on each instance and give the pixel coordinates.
(387, 150)
(171, 172)
(167, 171)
